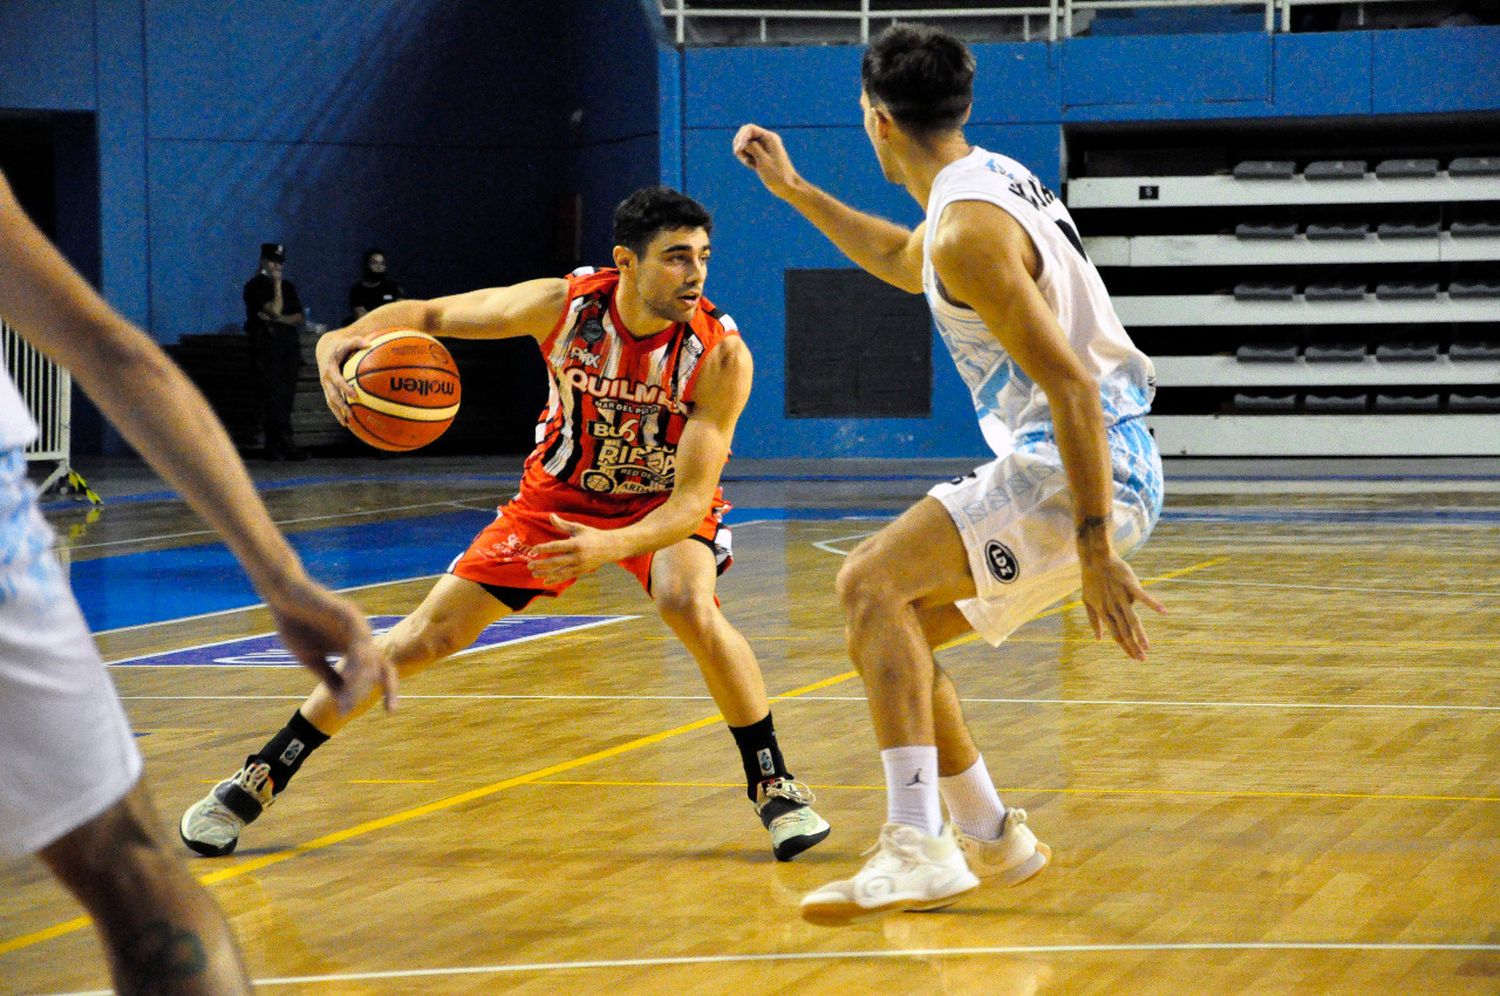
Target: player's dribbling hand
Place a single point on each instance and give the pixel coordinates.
(1110, 591)
(584, 550)
(333, 349)
(315, 625)
(762, 151)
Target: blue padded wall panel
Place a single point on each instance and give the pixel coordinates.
(669, 89)
(1177, 71)
(1323, 74)
(726, 87)
(395, 71)
(1019, 82)
(775, 87)
(451, 219)
(1437, 70)
(47, 55)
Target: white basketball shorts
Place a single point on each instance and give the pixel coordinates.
(66, 750)
(1015, 515)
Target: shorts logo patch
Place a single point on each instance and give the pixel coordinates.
(1002, 563)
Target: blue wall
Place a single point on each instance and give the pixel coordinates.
(430, 129)
(1024, 94)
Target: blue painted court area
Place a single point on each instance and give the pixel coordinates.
(138, 588)
(135, 588)
(266, 651)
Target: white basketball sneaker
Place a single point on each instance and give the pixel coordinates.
(910, 871)
(211, 826)
(1014, 857)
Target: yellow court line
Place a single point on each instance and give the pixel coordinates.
(1203, 566)
(1041, 790)
(339, 837)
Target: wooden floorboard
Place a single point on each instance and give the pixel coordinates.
(1297, 793)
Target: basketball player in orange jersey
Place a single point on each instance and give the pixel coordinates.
(647, 382)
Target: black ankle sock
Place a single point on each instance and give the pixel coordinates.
(759, 753)
(286, 751)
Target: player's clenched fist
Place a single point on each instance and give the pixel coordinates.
(763, 151)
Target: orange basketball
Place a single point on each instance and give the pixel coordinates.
(407, 390)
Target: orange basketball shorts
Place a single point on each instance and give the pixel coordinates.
(499, 556)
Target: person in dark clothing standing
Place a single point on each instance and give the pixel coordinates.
(273, 321)
(374, 286)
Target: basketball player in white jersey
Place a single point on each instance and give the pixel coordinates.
(70, 773)
(1060, 392)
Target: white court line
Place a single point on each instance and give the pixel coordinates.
(278, 522)
(257, 605)
(1333, 587)
(827, 545)
(726, 959)
(1151, 703)
(127, 662)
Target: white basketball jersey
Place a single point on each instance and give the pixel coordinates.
(1007, 401)
(16, 426)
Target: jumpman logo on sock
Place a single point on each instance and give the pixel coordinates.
(916, 779)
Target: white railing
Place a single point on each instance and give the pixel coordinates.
(47, 390)
(1059, 14)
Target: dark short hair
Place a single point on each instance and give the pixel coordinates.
(372, 251)
(923, 76)
(656, 209)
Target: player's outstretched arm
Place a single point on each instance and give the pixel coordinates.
(723, 388)
(532, 308)
(169, 423)
(882, 248)
(986, 260)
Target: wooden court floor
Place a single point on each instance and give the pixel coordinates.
(1299, 792)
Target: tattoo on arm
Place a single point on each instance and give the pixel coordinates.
(1090, 525)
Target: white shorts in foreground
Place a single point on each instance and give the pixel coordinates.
(1015, 516)
(66, 751)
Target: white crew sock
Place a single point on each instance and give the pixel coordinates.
(911, 791)
(973, 804)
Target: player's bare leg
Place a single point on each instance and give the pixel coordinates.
(449, 619)
(683, 577)
(163, 931)
(897, 589)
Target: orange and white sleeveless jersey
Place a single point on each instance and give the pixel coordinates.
(617, 404)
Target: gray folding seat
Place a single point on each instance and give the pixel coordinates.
(1335, 292)
(1474, 228)
(1266, 352)
(1265, 230)
(1475, 166)
(1408, 403)
(1318, 231)
(1265, 169)
(1334, 404)
(1469, 289)
(1473, 402)
(1264, 403)
(1407, 290)
(1336, 169)
(1335, 352)
(1407, 352)
(1265, 292)
(1409, 228)
(1466, 350)
(1397, 169)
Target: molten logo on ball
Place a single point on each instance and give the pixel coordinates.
(406, 391)
(421, 387)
